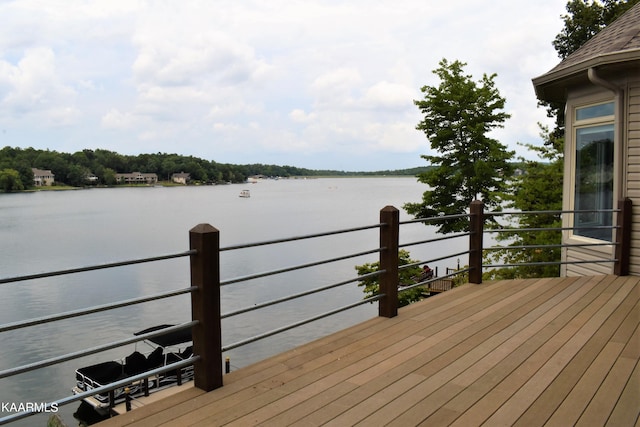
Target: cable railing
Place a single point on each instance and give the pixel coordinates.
(91, 310)
(295, 267)
(623, 210)
(94, 267)
(205, 287)
(292, 297)
(201, 270)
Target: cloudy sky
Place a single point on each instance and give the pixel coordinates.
(321, 84)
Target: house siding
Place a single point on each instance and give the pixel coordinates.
(181, 178)
(587, 263)
(633, 170)
(137, 178)
(629, 187)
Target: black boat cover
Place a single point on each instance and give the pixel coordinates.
(170, 338)
(102, 373)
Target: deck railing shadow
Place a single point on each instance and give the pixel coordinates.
(206, 324)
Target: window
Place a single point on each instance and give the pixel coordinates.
(594, 136)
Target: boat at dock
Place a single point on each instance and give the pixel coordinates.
(161, 350)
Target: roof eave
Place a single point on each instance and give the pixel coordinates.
(551, 86)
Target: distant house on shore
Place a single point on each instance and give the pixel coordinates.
(181, 178)
(42, 177)
(136, 178)
(255, 178)
(91, 178)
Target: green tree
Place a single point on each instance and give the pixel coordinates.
(584, 19)
(10, 180)
(539, 188)
(77, 175)
(197, 171)
(458, 115)
(168, 167)
(19, 160)
(109, 177)
(406, 276)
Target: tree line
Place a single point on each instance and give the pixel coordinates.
(75, 169)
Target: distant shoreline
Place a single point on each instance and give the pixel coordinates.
(172, 184)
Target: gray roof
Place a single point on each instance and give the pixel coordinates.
(41, 172)
(616, 47)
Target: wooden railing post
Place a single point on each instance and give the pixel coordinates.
(389, 232)
(205, 306)
(623, 238)
(476, 227)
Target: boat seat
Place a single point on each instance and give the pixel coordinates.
(187, 353)
(135, 363)
(155, 358)
(176, 357)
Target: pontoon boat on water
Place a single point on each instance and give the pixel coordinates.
(164, 349)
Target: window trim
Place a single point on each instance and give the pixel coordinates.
(572, 128)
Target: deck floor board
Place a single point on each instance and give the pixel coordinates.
(528, 352)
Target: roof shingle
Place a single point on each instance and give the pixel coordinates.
(616, 47)
(623, 34)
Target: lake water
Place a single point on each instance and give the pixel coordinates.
(47, 231)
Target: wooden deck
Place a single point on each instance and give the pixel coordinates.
(530, 352)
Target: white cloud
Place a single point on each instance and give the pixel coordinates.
(336, 88)
(398, 137)
(115, 119)
(386, 95)
(211, 57)
(300, 116)
(34, 89)
(248, 81)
